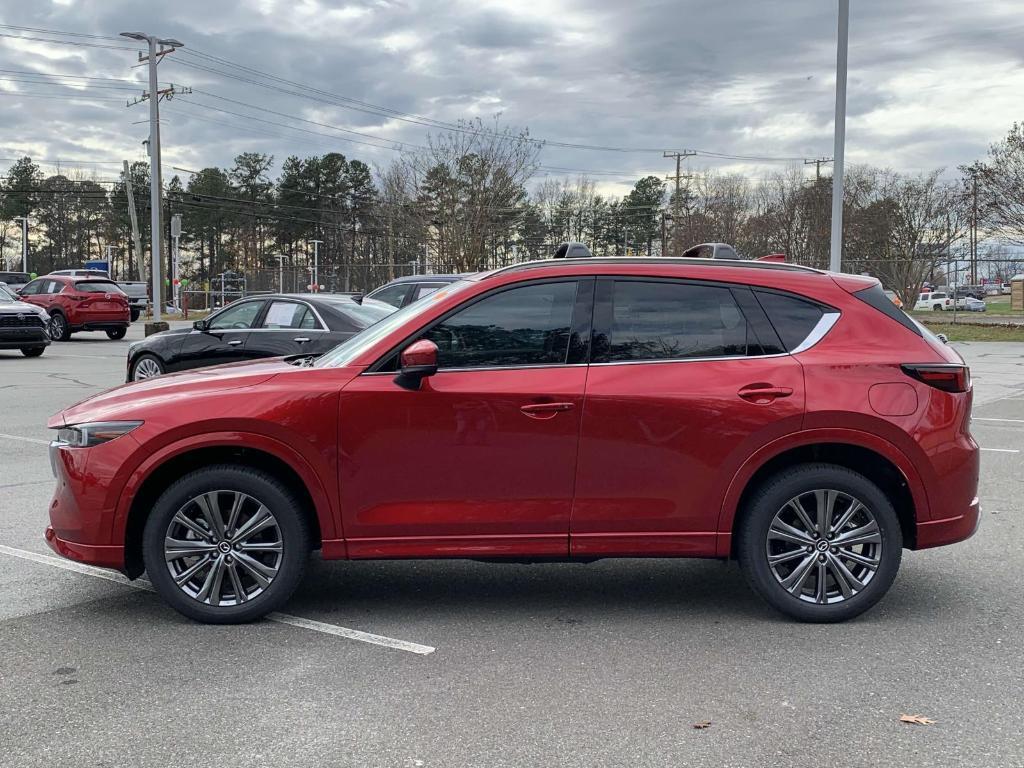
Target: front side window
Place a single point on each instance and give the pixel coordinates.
(33, 288)
(238, 317)
(391, 294)
(672, 321)
(528, 325)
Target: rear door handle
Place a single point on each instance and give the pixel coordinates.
(545, 410)
(234, 343)
(763, 394)
(301, 339)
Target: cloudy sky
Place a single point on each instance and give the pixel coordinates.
(932, 82)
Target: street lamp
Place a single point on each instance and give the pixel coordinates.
(24, 241)
(316, 262)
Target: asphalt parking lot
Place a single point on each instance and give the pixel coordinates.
(610, 663)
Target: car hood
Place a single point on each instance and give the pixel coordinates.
(128, 400)
(20, 307)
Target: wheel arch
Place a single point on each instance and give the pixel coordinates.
(255, 451)
(876, 459)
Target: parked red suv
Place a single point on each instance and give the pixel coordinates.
(80, 304)
(575, 409)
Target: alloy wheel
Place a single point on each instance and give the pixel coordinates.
(223, 548)
(57, 326)
(146, 368)
(824, 546)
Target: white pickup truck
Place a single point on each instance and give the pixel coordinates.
(137, 291)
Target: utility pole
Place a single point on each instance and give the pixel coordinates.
(316, 264)
(974, 226)
(24, 241)
(839, 149)
(175, 276)
(817, 163)
(154, 94)
(136, 237)
(677, 199)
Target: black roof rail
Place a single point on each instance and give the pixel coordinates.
(745, 263)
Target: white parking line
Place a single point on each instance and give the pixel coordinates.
(1002, 450)
(25, 439)
(1008, 421)
(281, 618)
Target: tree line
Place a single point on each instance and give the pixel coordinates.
(473, 198)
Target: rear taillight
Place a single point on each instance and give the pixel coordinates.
(948, 378)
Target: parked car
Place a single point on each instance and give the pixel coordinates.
(79, 304)
(937, 301)
(22, 325)
(137, 291)
(971, 304)
(894, 298)
(1006, 289)
(248, 329)
(405, 290)
(573, 409)
(15, 280)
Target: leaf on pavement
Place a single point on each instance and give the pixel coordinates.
(702, 725)
(916, 719)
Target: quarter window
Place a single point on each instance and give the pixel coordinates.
(239, 317)
(521, 326)
(793, 318)
(672, 321)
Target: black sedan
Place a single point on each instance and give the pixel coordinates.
(251, 328)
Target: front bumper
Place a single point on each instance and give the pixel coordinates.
(16, 338)
(102, 556)
(937, 533)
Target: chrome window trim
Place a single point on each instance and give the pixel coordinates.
(818, 332)
(485, 368)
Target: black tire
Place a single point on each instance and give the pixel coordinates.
(149, 360)
(936, 307)
(60, 330)
(116, 333)
(32, 351)
(773, 496)
(268, 491)
(134, 315)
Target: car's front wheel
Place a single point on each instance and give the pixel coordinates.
(146, 367)
(820, 543)
(226, 544)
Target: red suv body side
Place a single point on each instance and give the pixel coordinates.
(83, 310)
(651, 458)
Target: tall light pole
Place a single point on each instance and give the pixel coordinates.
(316, 264)
(280, 272)
(836, 252)
(166, 46)
(24, 241)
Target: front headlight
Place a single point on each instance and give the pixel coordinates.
(88, 435)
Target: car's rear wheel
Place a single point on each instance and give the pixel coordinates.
(59, 328)
(936, 307)
(146, 367)
(32, 351)
(820, 542)
(135, 315)
(116, 333)
(226, 544)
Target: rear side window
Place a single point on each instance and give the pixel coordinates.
(672, 321)
(875, 297)
(793, 318)
(97, 286)
(392, 294)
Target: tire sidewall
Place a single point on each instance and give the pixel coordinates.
(265, 489)
(771, 498)
(66, 333)
(140, 358)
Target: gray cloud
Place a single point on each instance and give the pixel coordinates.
(751, 78)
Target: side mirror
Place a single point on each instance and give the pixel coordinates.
(418, 361)
(200, 325)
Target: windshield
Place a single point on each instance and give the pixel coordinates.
(347, 351)
(362, 315)
(6, 294)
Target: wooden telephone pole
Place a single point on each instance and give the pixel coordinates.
(677, 198)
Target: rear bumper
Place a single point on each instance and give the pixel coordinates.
(102, 325)
(90, 554)
(936, 533)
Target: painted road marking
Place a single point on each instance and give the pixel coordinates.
(1008, 421)
(25, 439)
(1002, 450)
(280, 618)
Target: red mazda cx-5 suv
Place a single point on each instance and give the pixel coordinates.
(80, 304)
(790, 418)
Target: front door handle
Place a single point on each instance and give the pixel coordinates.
(545, 410)
(301, 339)
(762, 394)
(234, 343)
